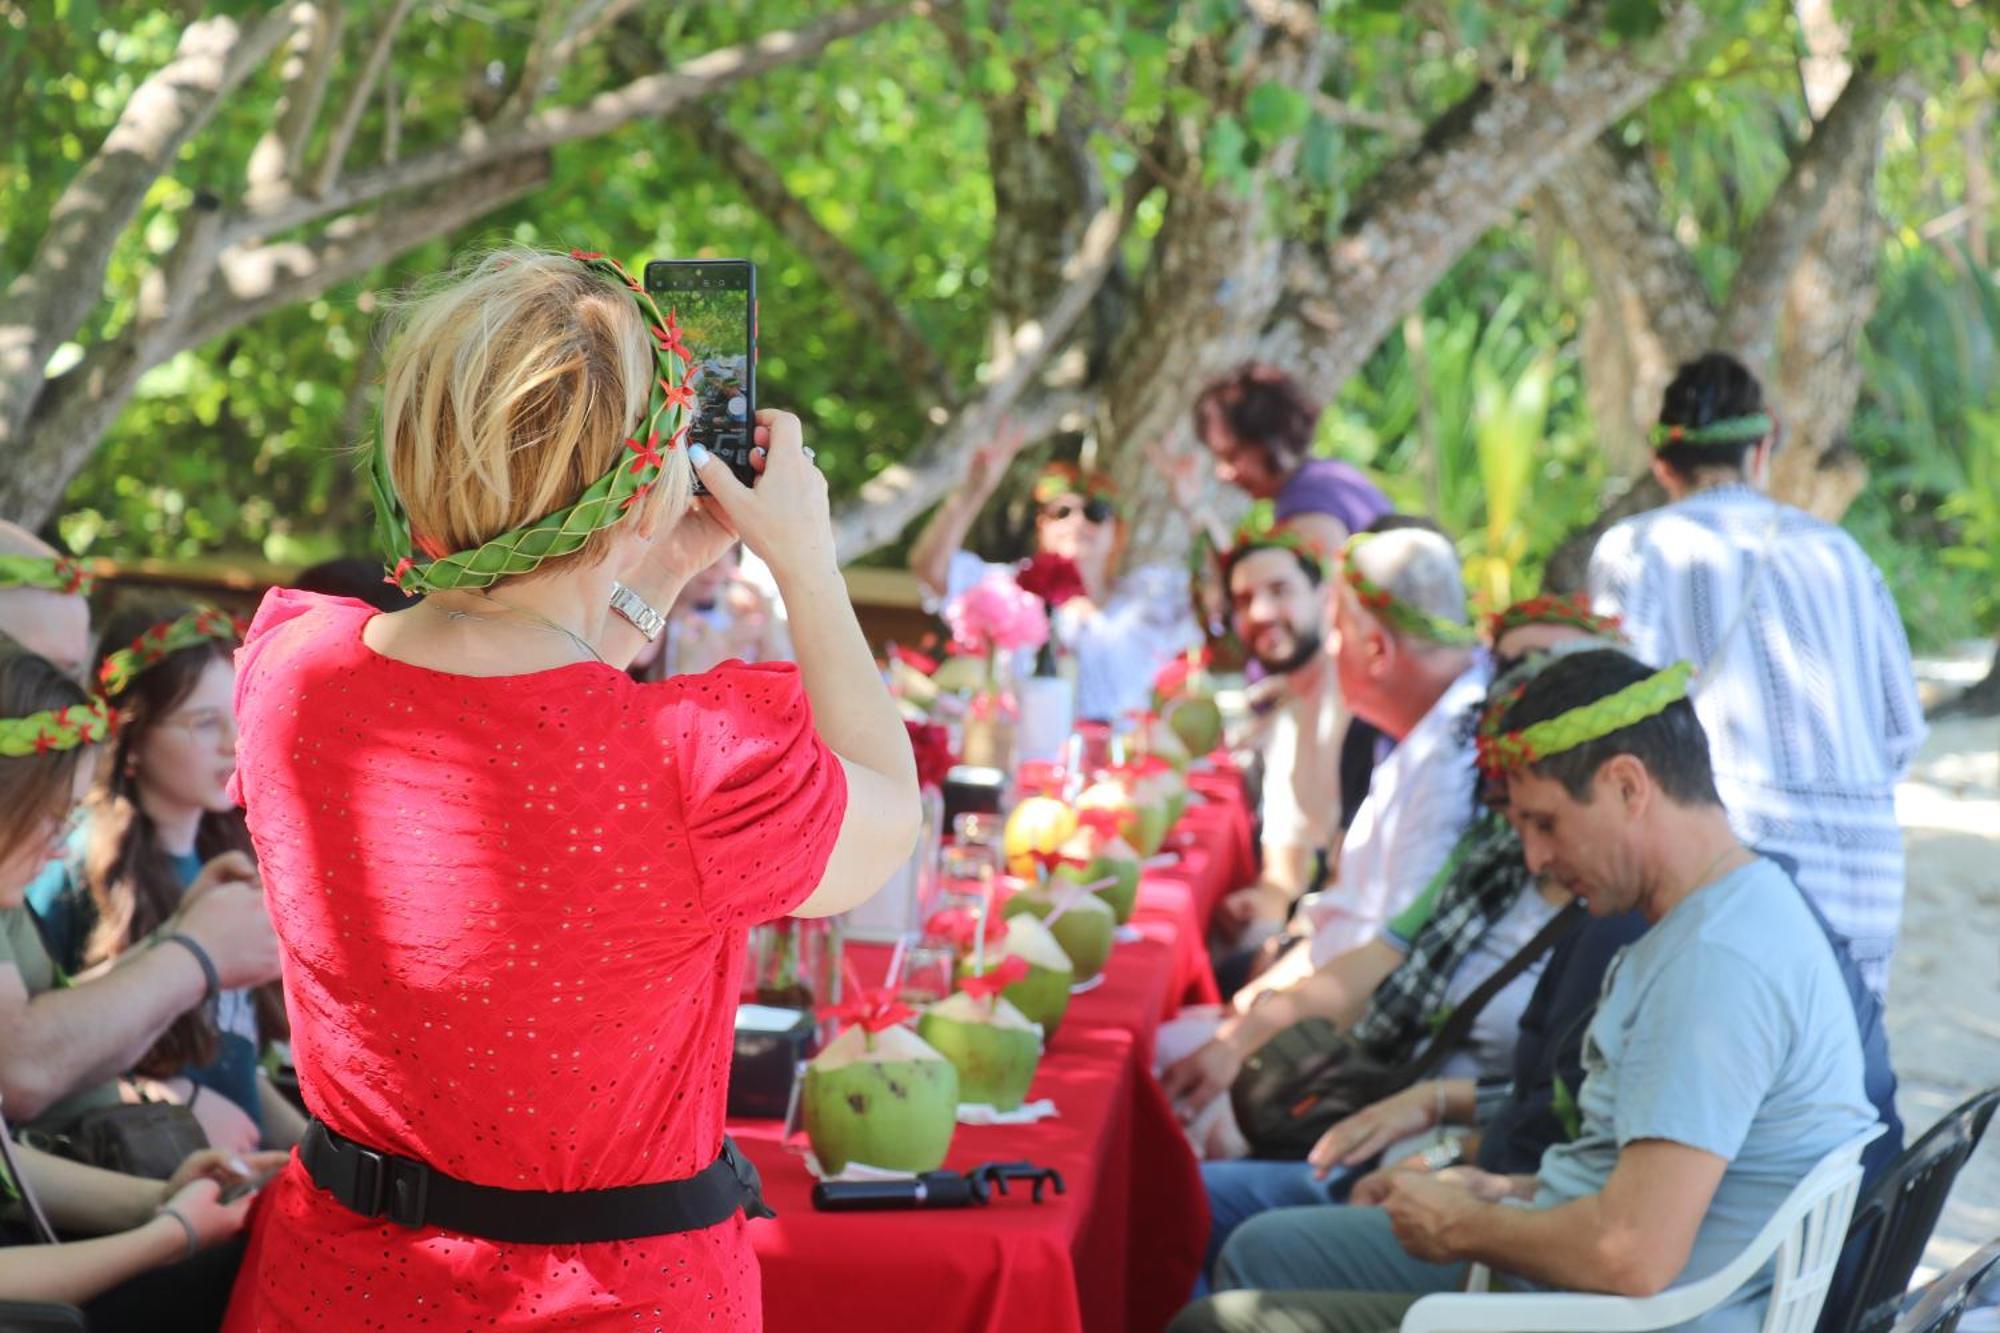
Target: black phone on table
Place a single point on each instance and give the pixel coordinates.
(715, 303)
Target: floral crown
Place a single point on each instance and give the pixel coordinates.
(1729, 430)
(1254, 536)
(1551, 610)
(55, 729)
(202, 625)
(1059, 479)
(1399, 614)
(603, 503)
(56, 573)
(1505, 752)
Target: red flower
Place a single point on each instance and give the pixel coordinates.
(635, 497)
(915, 660)
(394, 578)
(931, 744)
(648, 453)
(1106, 824)
(678, 395)
(585, 256)
(989, 984)
(958, 925)
(872, 1010)
(1053, 578)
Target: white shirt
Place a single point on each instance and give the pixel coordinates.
(1120, 646)
(1419, 801)
(1811, 710)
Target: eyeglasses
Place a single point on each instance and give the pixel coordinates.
(204, 724)
(1093, 510)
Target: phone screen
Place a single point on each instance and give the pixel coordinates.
(715, 303)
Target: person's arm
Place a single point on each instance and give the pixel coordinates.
(944, 535)
(61, 1040)
(785, 521)
(284, 1127)
(1337, 991)
(1369, 1132)
(76, 1271)
(1633, 1239)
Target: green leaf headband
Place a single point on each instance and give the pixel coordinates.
(1399, 614)
(603, 503)
(1730, 430)
(1060, 479)
(55, 573)
(1253, 537)
(55, 729)
(150, 649)
(1550, 610)
(1505, 752)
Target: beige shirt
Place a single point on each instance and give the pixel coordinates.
(1301, 748)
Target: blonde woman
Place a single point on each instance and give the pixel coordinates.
(512, 885)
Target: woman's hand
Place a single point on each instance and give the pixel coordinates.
(1192, 1083)
(784, 520)
(990, 460)
(224, 1168)
(200, 1202)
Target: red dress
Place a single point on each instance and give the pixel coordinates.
(512, 915)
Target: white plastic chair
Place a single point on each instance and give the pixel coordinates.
(1806, 1234)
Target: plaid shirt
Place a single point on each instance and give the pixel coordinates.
(1484, 878)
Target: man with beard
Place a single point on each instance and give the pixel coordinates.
(1277, 598)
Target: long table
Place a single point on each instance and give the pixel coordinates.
(1120, 1249)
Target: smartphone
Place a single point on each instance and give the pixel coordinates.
(249, 1185)
(715, 303)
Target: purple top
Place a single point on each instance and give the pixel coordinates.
(1324, 486)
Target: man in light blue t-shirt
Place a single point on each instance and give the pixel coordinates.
(1723, 1063)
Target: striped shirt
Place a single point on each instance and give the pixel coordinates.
(1811, 710)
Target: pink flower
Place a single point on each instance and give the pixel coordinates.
(996, 613)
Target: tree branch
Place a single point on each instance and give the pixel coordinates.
(79, 405)
(63, 282)
(892, 498)
(1381, 122)
(1786, 226)
(586, 21)
(1473, 165)
(478, 146)
(837, 262)
(344, 129)
(536, 66)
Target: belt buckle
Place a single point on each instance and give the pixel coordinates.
(368, 1172)
(409, 1192)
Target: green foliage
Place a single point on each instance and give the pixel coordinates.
(1482, 423)
(1929, 426)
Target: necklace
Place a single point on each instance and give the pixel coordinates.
(547, 625)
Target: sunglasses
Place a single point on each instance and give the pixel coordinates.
(1093, 510)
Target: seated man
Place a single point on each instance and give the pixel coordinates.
(1406, 660)
(63, 1046)
(1277, 608)
(1722, 1064)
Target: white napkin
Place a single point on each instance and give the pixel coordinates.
(1027, 1113)
(856, 1171)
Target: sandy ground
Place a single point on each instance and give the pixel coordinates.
(1944, 987)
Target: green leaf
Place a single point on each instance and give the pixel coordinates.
(1633, 19)
(1275, 113)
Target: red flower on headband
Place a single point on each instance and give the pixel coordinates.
(395, 576)
(1053, 578)
(931, 743)
(669, 338)
(989, 984)
(872, 1011)
(678, 395)
(648, 453)
(585, 256)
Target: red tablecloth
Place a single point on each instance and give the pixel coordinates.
(1121, 1248)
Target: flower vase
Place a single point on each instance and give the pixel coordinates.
(989, 721)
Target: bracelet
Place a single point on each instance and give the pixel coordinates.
(637, 611)
(194, 1237)
(208, 972)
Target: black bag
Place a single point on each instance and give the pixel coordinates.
(1312, 1076)
(147, 1139)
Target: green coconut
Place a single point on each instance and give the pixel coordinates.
(993, 1046)
(1085, 930)
(1122, 894)
(1043, 994)
(885, 1099)
(1197, 722)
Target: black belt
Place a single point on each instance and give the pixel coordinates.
(411, 1194)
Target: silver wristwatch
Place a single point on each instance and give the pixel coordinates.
(634, 608)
